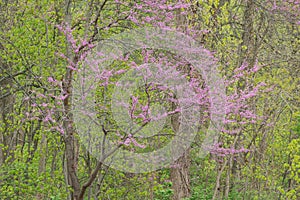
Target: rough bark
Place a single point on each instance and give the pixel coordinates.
(180, 177)
(180, 170)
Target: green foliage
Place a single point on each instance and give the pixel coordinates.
(29, 42)
(163, 191)
(293, 165)
(21, 179)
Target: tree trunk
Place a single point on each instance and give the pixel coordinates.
(71, 143)
(180, 177)
(180, 171)
(218, 180)
(42, 163)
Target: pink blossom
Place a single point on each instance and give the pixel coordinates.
(51, 79)
(71, 67)
(44, 104)
(63, 97)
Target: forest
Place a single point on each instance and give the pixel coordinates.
(149, 99)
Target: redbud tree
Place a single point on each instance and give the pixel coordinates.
(146, 97)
